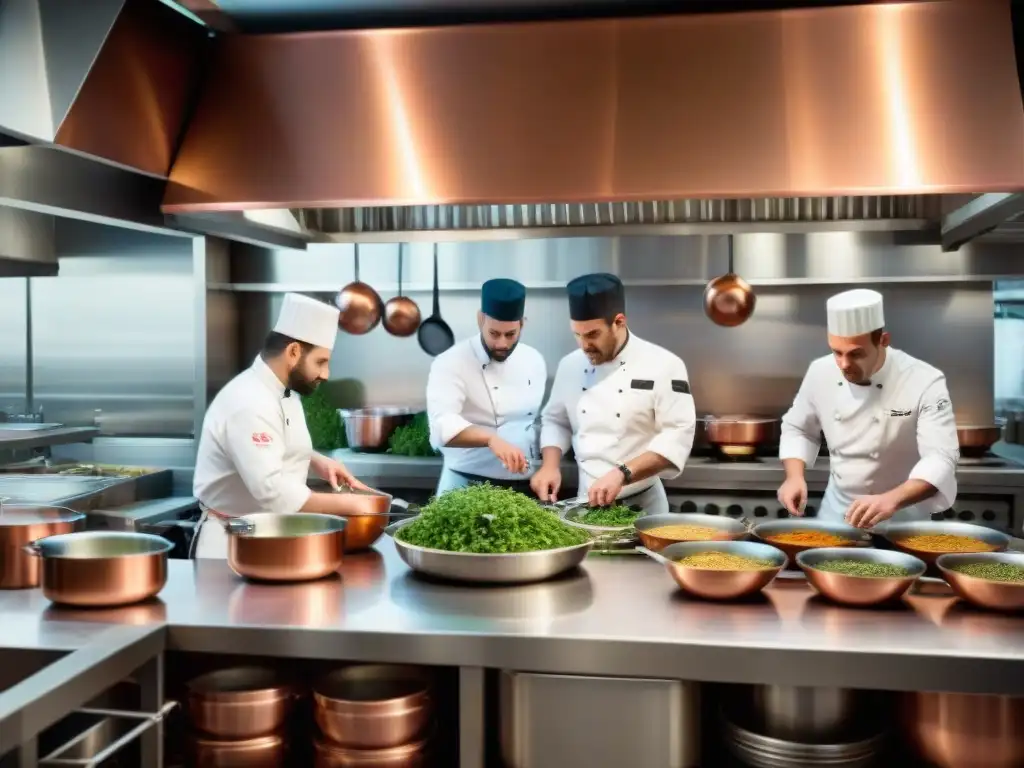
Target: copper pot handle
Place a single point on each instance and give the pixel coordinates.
(238, 527)
(33, 548)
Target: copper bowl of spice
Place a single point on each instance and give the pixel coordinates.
(930, 540)
(798, 535)
(860, 576)
(659, 531)
(993, 580)
(722, 570)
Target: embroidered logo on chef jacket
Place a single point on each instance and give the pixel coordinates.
(900, 413)
(261, 438)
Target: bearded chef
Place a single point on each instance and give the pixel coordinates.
(887, 420)
(484, 397)
(255, 451)
(622, 403)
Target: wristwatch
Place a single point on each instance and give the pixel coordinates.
(627, 474)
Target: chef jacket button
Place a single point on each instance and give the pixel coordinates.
(495, 387)
(484, 366)
(584, 410)
(618, 416)
(584, 389)
(875, 419)
(620, 391)
(837, 417)
(873, 454)
(878, 385)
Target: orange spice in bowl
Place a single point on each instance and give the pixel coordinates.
(809, 538)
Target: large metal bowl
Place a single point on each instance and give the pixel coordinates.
(367, 513)
(723, 585)
(860, 590)
(369, 429)
(728, 528)
(764, 531)
(994, 595)
(514, 568)
(895, 533)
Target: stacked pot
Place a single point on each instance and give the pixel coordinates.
(373, 716)
(239, 718)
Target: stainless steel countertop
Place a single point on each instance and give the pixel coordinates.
(619, 615)
(382, 469)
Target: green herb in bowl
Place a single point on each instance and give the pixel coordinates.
(483, 519)
(617, 516)
(862, 568)
(1005, 572)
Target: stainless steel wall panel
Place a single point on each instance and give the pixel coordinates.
(13, 351)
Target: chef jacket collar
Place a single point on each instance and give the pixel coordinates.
(626, 351)
(268, 378)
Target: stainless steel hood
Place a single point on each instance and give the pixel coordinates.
(859, 101)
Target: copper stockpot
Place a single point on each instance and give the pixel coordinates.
(21, 525)
(359, 305)
(240, 703)
(262, 752)
(285, 547)
(102, 568)
(329, 755)
(729, 300)
(401, 314)
(959, 730)
(740, 435)
(977, 440)
(373, 706)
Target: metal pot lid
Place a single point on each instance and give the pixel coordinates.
(32, 514)
(98, 545)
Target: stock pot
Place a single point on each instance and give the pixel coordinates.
(21, 525)
(288, 547)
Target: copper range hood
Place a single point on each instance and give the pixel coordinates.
(871, 100)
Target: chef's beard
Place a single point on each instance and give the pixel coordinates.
(499, 355)
(300, 382)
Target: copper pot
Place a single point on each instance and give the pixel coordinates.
(740, 435)
(285, 547)
(102, 568)
(405, 756)
(401, 314)
(976, 440)
(367, 514)
(729, 300)
(370, 429)
(959, 730)
(262, 752)
(359, 305)
(239, 703)
(373, 706)
(21, 525)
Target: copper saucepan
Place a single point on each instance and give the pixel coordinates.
(401, 314)
(367, 514)
(360, 305)
(239, 703)
(729, 300)
(977, 440)
(21, 525)
(740, 435)
(285, 547)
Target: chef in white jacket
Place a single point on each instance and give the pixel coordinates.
(255, 452)
(484, 397)
(622, 403)
(887, 420)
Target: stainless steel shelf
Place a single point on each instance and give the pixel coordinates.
(25, 439)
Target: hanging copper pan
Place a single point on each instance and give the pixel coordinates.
(360, 305)
(401, 314)
(729, 300)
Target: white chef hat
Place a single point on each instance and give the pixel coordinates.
(854, 313)
(308, 320)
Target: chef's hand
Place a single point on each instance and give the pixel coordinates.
(869, 511)
(604, 492)
(793, 495)
(336, 473)
(511, 457)
(546, 482)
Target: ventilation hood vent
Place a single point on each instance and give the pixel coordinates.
(876, 99)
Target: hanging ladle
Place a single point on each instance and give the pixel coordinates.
(729, 300)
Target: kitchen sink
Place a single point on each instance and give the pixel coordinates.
(18, 664)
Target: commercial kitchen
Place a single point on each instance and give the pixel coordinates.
(169, 171)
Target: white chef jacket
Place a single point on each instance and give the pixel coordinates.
(466, 388)
(613, 412)
(899, 427)
(255, 448)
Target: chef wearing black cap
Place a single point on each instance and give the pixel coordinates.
(623, 404)
(484, 397)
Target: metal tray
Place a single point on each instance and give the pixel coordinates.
(517, 568)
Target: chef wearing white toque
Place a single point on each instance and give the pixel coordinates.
(255, 451)
(887, 420)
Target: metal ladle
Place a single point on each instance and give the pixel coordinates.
(729, 300)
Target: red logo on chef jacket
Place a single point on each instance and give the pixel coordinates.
(261, 438)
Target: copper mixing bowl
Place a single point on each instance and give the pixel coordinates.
(240, 702)
(366, 514)
(412, 755)
(896, 533)
(859, 591)
(764, 532)
(740, 435)
(728, 529)
(994, 595)
(723, 585)
(373, 706)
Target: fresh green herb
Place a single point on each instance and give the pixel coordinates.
(412, 439)
(324, 422)
(485, 519)
(618, 515)
(1009, 572)
(862, 568)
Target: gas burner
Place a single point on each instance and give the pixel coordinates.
(734, 458)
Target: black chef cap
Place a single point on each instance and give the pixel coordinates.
(598, 296)
(503, 299)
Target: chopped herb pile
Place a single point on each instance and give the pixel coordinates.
(324, 422)
(862, 568)
(617, 515)
(412, 439)
(485, 519)
(1008, 572)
